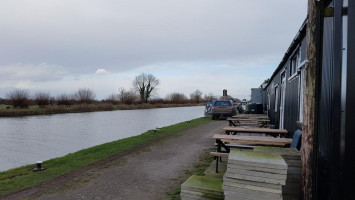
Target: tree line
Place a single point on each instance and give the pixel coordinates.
(143, 90)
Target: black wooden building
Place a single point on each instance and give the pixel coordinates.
(333, 159)
(284, 91)
(334, 139)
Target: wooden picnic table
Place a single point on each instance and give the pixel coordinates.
(273, 132)
(256, 122)
(250, 140)
(251, 116)
(223, 140)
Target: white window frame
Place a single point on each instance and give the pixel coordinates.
(301, 88)
(294, 64)
(277, 94)
(269, 101)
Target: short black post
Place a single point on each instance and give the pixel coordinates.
(39, 166)
(216, 158)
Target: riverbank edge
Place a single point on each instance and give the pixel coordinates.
(83, 108)
(18, 179)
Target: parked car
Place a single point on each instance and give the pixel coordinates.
(223, 108)
(255, 108)
(208, 109)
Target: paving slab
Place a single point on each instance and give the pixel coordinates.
(199, 195)
(259, 169)
(257, 159)
(256, 179)
(249, 193)
(251, 187)
(257, 173)
(252, 183)
(204, 184)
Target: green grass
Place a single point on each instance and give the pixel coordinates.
(23, 177)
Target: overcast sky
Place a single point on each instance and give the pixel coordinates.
(59, 46)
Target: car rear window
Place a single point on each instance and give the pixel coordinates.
(222, 103)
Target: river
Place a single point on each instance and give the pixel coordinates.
(25, 140)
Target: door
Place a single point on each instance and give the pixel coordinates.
(282, 99)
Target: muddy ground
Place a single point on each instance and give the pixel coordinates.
(148, 172)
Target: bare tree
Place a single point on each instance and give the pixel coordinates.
(42, 98)
(2, 101)
(209, 97)
(126, 97)
(64, 99)
(145, 84)
(196, 96)
(177, 98)
(84, 95)
(113, 98)
(19, 98)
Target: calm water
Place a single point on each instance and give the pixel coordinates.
(25, 140)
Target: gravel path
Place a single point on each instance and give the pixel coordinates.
(147, 174)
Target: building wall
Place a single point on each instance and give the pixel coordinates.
(256, 95)
(274, 116)
(292, 95)
(291, 105)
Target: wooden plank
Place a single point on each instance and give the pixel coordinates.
(253, 140)
(256, 119)
(251, 117)
(255, 130)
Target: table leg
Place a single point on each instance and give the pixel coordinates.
(220, 144)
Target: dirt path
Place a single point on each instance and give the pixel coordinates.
(147, 174)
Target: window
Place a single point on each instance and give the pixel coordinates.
(276, 97)
(269, 102)
(300, 94)
(223, 103)
(294, 63)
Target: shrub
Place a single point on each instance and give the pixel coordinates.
(127, 97)
(42, 99)
(65, 100)
(19, 98)
(84, 95)
(177, 98)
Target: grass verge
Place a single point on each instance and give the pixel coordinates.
(20, 178)
(198, 169)
(8, 111)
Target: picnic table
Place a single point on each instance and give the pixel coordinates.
(261, 122)
(221, 141)
(274, 132)
(242, 142)
(251, 116)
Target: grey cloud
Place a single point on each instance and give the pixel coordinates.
(30, 72)
(120, 35)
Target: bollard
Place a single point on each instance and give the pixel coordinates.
(39, 166)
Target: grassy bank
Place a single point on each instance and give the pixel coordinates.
(8, 111)
(23, 177)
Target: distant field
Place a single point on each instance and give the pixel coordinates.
(9, 111)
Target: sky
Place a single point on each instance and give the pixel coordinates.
(60, 46)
